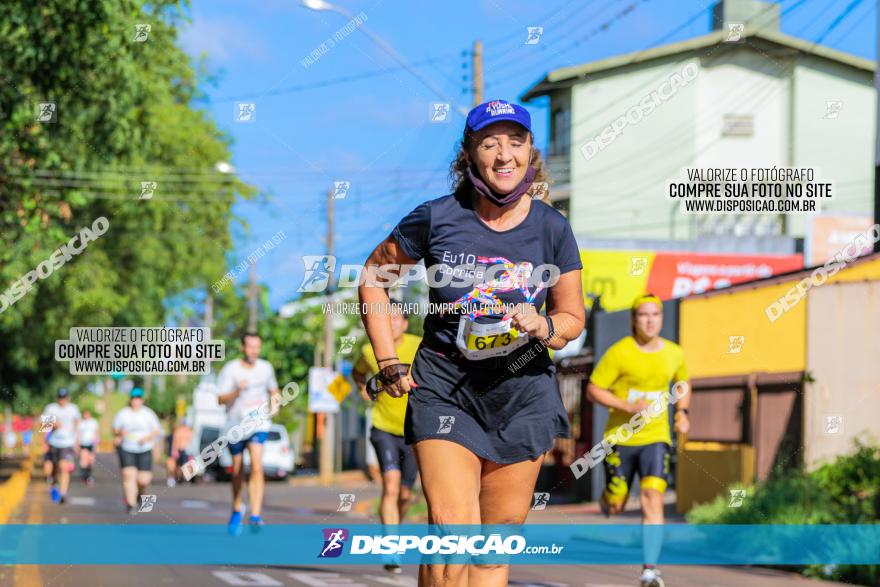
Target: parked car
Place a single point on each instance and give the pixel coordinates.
(277, 456)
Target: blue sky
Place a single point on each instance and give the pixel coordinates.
(342, 118)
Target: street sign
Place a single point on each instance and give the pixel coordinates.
(339, 388)
(321, 399)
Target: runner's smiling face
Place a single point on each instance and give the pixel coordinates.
(501, 154)
(648, 320)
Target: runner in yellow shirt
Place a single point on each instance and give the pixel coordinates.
(396, 459)
(632, 375)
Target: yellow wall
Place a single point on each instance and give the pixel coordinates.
(862, 271)
(612, 275)
(707, 323)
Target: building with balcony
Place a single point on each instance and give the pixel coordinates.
(746, 95)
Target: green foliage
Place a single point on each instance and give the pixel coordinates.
(846, 491)
(124, 115)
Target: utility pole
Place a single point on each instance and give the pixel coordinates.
(209, 311)
(478, 73)
(328, 438)
(877, 132)
(252, 298)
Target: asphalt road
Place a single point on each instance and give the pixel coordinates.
(208, 503)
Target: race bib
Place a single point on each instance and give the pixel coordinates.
(478, 341)
(651, 396)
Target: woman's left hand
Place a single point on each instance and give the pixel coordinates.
(526, 319)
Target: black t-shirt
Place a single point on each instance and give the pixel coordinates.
(449, 235)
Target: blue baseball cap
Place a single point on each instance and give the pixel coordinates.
(495, 111)
(63, 392)
(137, 392)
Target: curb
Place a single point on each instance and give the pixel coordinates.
(14, 489)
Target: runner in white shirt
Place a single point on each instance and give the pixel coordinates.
(88, 444)
(136, 428)
(61, 418)
(245, 385)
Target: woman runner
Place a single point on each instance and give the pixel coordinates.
(484, 405)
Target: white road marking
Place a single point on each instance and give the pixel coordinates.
(246, 578)
(195, 504)
(322, 579)
(81, 501)
(401, 580)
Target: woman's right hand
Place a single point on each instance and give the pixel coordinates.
(400, 386)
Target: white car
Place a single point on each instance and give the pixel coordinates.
(277, 455)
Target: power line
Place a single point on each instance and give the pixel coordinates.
(840, 18)
(322, 84)
(603, 27)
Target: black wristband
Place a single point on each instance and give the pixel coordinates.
(387, 359)
(685, 410)
(550, 330)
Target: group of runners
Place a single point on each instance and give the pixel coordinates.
(472, 407)
(71, 436)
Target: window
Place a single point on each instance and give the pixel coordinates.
(738, 125)
(560, 132)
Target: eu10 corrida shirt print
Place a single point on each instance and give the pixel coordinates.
(482, 271)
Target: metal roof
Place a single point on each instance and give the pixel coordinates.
(568, 76)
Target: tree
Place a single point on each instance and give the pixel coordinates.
(123, 115)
